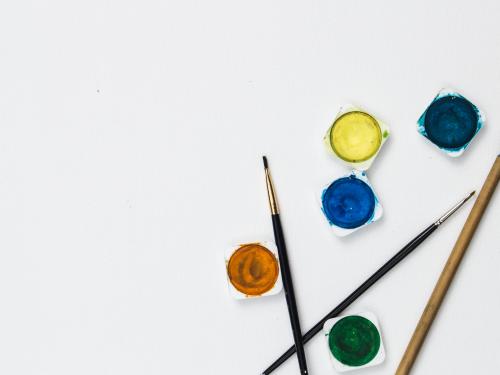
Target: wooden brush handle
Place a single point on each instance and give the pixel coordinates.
(449, 270)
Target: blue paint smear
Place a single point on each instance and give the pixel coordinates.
(450, 122)
(348, 202)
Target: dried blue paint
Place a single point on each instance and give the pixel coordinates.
(348, 202)
(450, 122)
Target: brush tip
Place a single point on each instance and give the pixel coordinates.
(264, 159)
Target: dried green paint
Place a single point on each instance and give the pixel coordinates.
(354, 340)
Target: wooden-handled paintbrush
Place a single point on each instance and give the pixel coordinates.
(449, 270)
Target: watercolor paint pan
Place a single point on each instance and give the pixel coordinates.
(350, 203)
(355, 137)
(253, 270)
(354, 341)
(451, 122)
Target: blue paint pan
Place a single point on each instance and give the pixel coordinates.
(349, 203)
(451, 122)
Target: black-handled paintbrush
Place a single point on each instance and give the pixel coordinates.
(412, 245)
(285, 272)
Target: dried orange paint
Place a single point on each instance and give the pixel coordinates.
(253, 269)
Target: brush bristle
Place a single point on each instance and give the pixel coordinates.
(265, 161)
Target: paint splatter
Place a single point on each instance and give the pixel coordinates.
(354, 340)
(253, 269)
(348, 202)
(355, 136)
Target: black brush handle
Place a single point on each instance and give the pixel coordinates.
(412, 245)
(289, 294)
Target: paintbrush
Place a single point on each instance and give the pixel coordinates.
(285, 271)
(405, 251)
(450, 269)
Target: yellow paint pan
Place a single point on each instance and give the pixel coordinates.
(356, 137)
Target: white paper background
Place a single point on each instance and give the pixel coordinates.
(131, 135)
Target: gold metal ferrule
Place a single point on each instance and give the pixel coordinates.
(273, 203)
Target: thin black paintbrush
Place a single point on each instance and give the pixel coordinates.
(285, 272)
(410, 246)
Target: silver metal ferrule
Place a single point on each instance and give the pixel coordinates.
(454, 209)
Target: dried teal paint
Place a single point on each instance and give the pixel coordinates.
(450, 122)
(354, 341)
(348, 202)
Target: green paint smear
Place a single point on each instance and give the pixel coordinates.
(354, 340)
